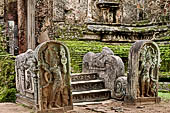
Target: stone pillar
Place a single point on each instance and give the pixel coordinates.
(22, 42)
(31, 24)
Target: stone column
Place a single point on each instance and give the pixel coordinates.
(31, 24)
(21, 5)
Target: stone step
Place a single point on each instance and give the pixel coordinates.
(84, 76)
(92, 95)
(87, 85)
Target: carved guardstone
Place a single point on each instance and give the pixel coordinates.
(43, 78)
(25, 65)
(110, 68)
(143, 70)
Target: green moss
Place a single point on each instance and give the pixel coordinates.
(79, 48)
(70, 31)
(139, 29)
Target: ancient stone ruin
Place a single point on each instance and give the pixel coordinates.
(110, 68)
(143, 70)
(43, 78)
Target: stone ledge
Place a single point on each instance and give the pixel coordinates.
(91, 91)
(84, 82)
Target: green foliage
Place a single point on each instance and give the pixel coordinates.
(7, 72)
(8, 95)
(7, 78)
(2, 40)
(164, 95)
(165, 57)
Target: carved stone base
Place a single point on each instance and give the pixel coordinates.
(149, 99)
(145, 100)
(57, 110)
(25, 100)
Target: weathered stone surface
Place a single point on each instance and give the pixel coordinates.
(1, 8)
(25, 65)
(43, 20)
(43, 78)
(109, 67)
(87, 85)
(54, 76)
(91, 95)
(143, 70)
(22, 40)
(124, 32)
(84, 77)
(102, 11)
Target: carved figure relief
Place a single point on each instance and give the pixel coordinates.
(25, 71)
(30, 72)
(43, 78)
(54, 76)
(143, 68)
(148, 61)
(102, 11)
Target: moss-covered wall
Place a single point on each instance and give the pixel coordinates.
(79, 48)
(69, 31)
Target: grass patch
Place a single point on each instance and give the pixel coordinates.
(164, 96)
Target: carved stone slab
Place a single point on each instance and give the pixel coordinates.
(43, 78)
(24, 67)
(53, 77)
(143, 70)
(109, 67)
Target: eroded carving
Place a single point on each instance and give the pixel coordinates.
(107, 65)
(43, 78)
(54, 76)
(143, 68)
(102, 11)
(25, 71)
(148, 60)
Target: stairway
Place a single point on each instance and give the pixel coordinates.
(88, 87)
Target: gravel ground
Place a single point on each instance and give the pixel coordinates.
(109, 106)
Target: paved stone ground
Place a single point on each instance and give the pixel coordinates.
(110, 106)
